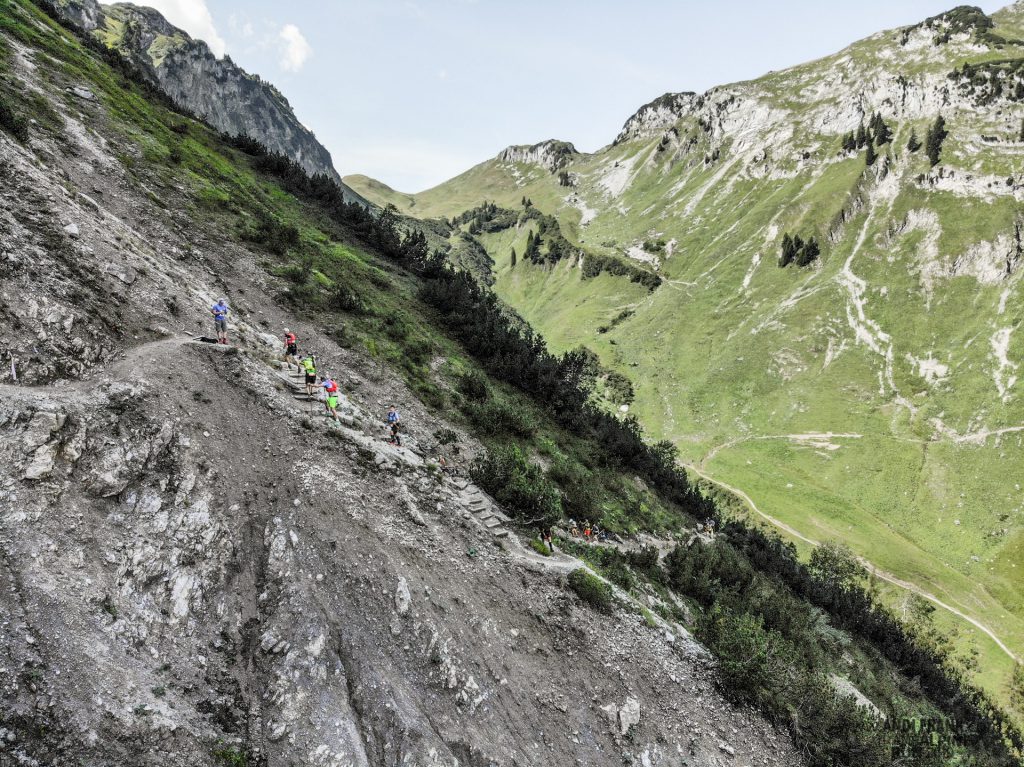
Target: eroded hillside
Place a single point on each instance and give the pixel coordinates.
(200, 569)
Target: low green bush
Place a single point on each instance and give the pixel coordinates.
(592, 590)
(473, 385)
(519, 486)
(539, 546)
(12, 122)
(499, 418)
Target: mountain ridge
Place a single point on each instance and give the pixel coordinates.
(224, 94)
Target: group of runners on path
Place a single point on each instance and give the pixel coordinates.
(220, 311)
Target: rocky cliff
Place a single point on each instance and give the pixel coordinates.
(552, 155)
(219, 91)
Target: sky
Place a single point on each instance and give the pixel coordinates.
(413, 92)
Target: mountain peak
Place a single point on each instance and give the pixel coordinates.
(551, 154)
(658, 115)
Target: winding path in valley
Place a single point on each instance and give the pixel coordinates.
(876, 571)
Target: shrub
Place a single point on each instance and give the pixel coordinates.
(473, 385)
(275, 235)
(13, 123)
(230, 756)
(753, 662)
(446, 437)
(498, 417)
(591, 590)
(345, 299)
(539, 546)
(619, 389)
(579, 494)
(518, 485)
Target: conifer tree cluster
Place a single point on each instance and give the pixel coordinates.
(532, 250)
(513, 258)
(933, 143)
(797, 251)
(876, 134)
(880, 130)
(564, 179)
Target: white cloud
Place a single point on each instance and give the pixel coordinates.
(295, 49)
(240, 27)
(194, 17)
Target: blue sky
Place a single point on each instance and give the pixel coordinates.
(413, 92)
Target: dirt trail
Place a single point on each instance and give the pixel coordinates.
(874, 570)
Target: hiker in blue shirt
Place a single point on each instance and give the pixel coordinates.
(220, 319)
(394, 421)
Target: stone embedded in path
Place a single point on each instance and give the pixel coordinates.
(402, 597)
(629, 715)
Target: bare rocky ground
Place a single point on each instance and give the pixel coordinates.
(191, 567)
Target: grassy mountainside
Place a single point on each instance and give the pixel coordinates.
(871, 396)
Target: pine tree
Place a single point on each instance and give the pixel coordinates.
(513, 258)
(808, 253)
(914, 143)
(881, 131)
(862, 136)
(788, 251)
(872, 155)
(849, 142)
(936, 135)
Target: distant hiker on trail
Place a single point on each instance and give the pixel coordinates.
(220, 319)
(586, 530)
(309, 365)
(395, 422)
(331, 388)
(291, 347)
(547, 541)
(574, 529)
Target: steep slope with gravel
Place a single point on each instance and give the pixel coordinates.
(198, 568)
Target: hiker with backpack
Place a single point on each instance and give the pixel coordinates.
(332, 404)
(330, 386)
(291, 347)
(220, 319)
(395, 421)
(309, 365)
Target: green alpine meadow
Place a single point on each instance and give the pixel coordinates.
(811, 284)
